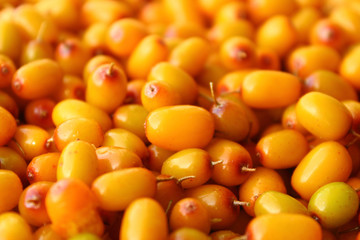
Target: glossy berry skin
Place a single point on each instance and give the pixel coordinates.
(7, 126)
(334, 204)
(38, 112)
(283, 226)
(106, 87)
(78, 129)
(232, 159)
(11, 160)
(144, 219)
(179, 127)
(78, 160)
(187, 233)
(282, 149)
(32, 203)
(13, 226)
(327, 162)
(323, 116)
(272, 202)
(7, 70)
(114, 192)
(219, 201)
(11, 188)
(189, 162)
(30, 83)
(43, 168)
(190, 212)
(270, 89)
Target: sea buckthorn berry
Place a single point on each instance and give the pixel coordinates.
(179, 127)
(133, 91)
(11, 188)
(238, 53)
(123, 138)
(188, 233)
(85, 236)
(272, 128)
(71, 206)
(93, 11)
(150, 51)
(71, 87)
(11, 160)
(115, 158)
(131, 117)
(123, 35)
(156, 94)
(260, 181)
(72, 55)
(157, 156)
(222, 31)
(30, 83)
(39, 112)
(32, 203)
(305, 60)
(189, 162)
(289, 120)
(303, 20)
(78, 160)
(168, 191)
(350, 68)
(46, 233)
(11, 39)
(250, 114)
(262, 10)
(270, 89)
(325, 203)
(114, 192)
(183, 11)
(232, 162)
(72, 108)
(179, 56)
(267, 59)
(220, 202)
(13, 226)
(272, 202)
(85, 129)
(267, 37)
(283, 226)
(331, 84)
(7, 70)
(29, 20)
(327, 162)
(95, 62)
(190, 212)
(36, 49)
(144, 218)
(95, 37)
(106, 87)
(282, 149)
(7, 126)
(177, 79)
(231, 120)
(348, 19)
(230, 12)
(43, 168)
(30, 141)
(326, 32)
(323, 116)
(65, 15)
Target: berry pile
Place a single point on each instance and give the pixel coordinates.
(179, 119)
